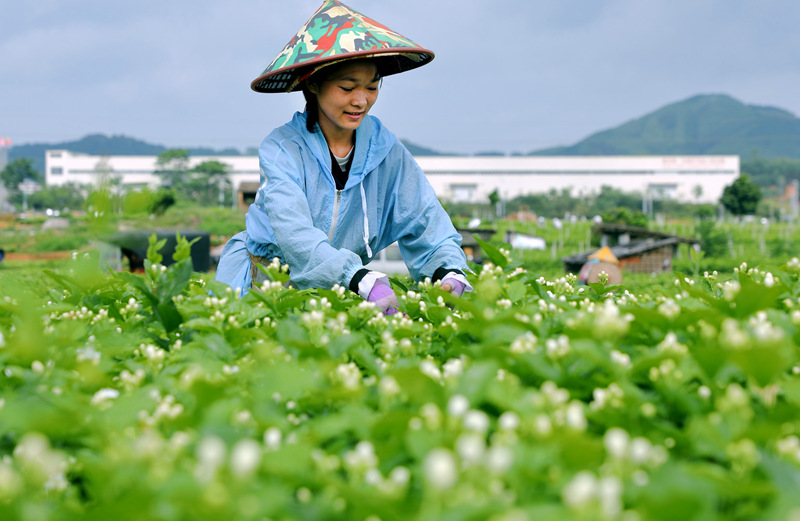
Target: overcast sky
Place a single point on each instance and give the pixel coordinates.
(509, 75)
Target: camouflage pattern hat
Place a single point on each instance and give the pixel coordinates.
(333, 34)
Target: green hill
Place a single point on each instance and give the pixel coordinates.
(102, 145)
(705, 124)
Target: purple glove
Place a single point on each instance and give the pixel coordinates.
(457, 287)
(383, 297)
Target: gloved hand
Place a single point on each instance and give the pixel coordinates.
(455, 287)
(383, 297)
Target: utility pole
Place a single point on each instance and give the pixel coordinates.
(5, 144)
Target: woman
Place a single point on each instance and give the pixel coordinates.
(337, 186)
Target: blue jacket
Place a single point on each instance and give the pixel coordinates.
(300, 217)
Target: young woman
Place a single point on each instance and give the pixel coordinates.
(336, 185)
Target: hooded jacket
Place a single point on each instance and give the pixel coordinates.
(300, 217)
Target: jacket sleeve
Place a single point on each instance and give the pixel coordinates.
(427, 238)
(313, 262)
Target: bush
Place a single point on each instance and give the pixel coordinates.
(161, 201)
(713, 242)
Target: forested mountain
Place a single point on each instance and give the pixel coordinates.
(704, 124)
(102, 145)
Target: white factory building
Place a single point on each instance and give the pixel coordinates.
(460, 178)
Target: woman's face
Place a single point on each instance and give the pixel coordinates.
(345, 96)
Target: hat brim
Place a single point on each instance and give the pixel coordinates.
(390, 61)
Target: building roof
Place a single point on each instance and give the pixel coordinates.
(622, 251)
(637, 232)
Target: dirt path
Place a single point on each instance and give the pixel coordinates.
(49, 255)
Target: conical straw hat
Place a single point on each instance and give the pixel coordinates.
(604, 254)
(336, 33)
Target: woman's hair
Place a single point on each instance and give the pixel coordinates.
(312, 106)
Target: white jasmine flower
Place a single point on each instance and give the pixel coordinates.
(581, 490)
(609, 491)
(670, 344)
(457, 405)
(575, 417)
(508, 421)
(648, 410)
(730, 289)
(211, 452)
(348, 375)
(499, 459)
(272, 438)
(245, 457)
(388, 386)
(669, 308)
(470, 447)
(640, 450)
(303, 495)
(440, 469)
(524, 343)
(558, 347)
(476, 421)
(104, 395)
(400, 476)
(428, 367)
(616, 442)
(620, 358)
(543, 424)
(453, 368)
(432, 415)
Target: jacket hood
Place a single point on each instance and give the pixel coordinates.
(373, 144)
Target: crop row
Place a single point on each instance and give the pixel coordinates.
(166, 396)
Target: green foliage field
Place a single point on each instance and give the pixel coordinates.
(166, 396)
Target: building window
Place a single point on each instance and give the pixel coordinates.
(463, 193)
(56, 170)
(662, 190)
(55, 154)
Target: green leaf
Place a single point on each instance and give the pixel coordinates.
(476, 380)
(183, 248)
(399, 284)
(168, 315)
(437, 314)
(497, 258)
(754, 297)
(293, 299)
(175, 279)
(154, 246)
(140, 283)
(764, 364)
(344, 344)
(516, 291)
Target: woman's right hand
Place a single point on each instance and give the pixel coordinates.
(455, 287)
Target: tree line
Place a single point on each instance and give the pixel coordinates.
(208, 183)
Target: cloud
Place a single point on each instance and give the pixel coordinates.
(509, 75)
